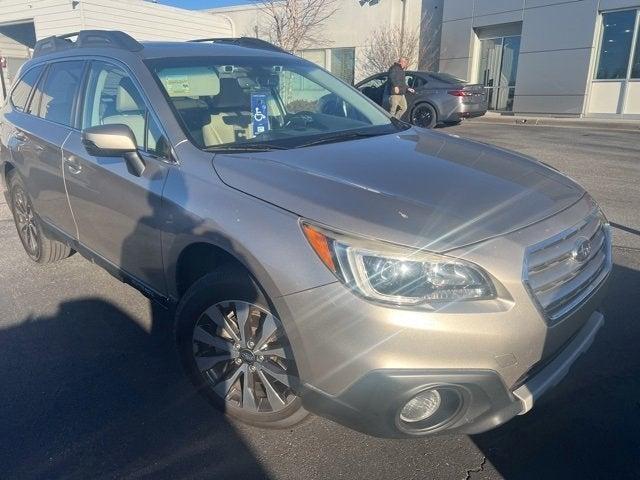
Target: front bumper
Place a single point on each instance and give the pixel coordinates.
(371, 404)
(358, 361)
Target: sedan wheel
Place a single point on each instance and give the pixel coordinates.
(25, 221)
(241, 353)
(424, 115)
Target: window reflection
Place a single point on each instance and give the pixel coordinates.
(635, 66)
(615, 48)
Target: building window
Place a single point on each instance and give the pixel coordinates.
(615, 46)
(635, 66)
(343, 63)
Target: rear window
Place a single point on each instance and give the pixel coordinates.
(21, 92)
(446, 78)
(59, 92)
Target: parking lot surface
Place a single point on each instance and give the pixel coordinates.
(91, 388)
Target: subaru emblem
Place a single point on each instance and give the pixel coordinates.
(582, 250)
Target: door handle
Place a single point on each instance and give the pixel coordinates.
(73, 165)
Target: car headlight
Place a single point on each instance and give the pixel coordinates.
(398, 275)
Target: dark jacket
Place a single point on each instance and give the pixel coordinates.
(397, 79)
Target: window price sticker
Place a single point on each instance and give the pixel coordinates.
(259, 113)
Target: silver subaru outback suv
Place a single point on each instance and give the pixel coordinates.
(319, 255)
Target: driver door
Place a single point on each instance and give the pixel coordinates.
(375, 88)
(119, 215)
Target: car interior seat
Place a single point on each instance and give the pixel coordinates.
(230, 114)
(130, 110)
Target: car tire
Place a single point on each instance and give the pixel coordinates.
(37, 243)
(234, 378)
(424, 115)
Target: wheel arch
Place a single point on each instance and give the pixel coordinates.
(196, 260)
(188, 267)
(430, 103)
(7, 168)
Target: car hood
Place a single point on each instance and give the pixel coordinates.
(415, 188)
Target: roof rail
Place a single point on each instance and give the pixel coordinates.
(249, 42)
(87, 39)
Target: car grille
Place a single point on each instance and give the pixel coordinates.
(562, 272)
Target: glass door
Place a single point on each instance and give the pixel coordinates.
(497, 70)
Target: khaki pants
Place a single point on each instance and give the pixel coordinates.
(397, 105)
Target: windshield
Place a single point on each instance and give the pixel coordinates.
(229, 103)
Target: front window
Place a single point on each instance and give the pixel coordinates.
(111, 97)
(260, 102)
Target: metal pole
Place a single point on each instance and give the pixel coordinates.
(4, 87)
(402, 23)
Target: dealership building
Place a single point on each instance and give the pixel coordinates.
(555, 57)
(576, 58)
(22, 22)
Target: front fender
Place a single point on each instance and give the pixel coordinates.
(264, 238)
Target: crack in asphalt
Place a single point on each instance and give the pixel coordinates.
(478, 469)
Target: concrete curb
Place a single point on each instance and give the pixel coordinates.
(627, 125)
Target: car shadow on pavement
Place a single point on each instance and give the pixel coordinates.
(88, 393)
(587, 427)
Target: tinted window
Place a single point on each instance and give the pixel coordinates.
(112, 98)
(374, 83)
(21, 93)
(414, 81)
(59, 92)
(617, 35)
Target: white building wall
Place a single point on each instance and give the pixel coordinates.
(150, 21)
(11, 48)
(143, 20)
(352, 25)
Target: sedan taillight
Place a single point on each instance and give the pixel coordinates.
(460, 93)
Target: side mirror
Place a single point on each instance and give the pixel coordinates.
(115, 140)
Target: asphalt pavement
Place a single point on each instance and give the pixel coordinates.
(90, 386)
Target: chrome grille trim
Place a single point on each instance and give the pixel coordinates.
(555, 280)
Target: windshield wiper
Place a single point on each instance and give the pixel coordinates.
(253, 147)
(339, 138)
(400, 124)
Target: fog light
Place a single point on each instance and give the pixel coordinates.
(421, 407)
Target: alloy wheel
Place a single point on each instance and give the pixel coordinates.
(26, 221)
(240, 351)
(422, 116)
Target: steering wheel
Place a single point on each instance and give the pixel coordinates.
(300, 120)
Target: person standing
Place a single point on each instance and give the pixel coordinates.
(398, 88)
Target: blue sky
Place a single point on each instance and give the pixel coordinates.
(200, 4)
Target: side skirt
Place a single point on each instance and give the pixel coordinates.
(115, 271)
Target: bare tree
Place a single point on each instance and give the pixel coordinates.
(384, 47)
(294, 24)
(387, 44)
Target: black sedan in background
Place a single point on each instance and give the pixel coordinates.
(439, 98)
